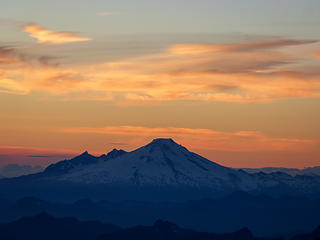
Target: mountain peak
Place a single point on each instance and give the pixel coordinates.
(164, 144)
(114, 153)
(84, 153)
(67, 165)
(163, 141)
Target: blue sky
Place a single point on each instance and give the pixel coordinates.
(294, 18)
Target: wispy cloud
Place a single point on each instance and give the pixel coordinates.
(39, 156)
(245, 141)
(13, 61)
(46, 36)
(10, 55)
(251, 72)
(247, 46)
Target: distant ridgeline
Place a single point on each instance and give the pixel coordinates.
(44, 226)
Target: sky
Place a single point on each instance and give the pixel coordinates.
(237, 81)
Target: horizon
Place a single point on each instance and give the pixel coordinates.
(237, 82)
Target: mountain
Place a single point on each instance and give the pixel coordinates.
(311, 171)
(44, 226)
(161, 163)
(161, 170)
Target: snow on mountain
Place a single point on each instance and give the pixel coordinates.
(63, 167)
(162, 162)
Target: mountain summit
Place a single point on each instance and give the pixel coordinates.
(163, 142)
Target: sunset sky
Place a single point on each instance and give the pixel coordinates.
(237, 81)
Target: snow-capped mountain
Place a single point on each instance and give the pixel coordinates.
(162, 163)
(165, 164)
(161, 169)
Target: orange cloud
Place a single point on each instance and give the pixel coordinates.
(5, 56)
(317, 54)
(16, 66)
(45, 36)
(243, 73)
(269, 44)
(249, 46)
(246, 141)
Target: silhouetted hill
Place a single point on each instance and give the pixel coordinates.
(163, 230)
(315, 235)
(44, 226)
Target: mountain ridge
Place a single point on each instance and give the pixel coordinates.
(308, 171)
